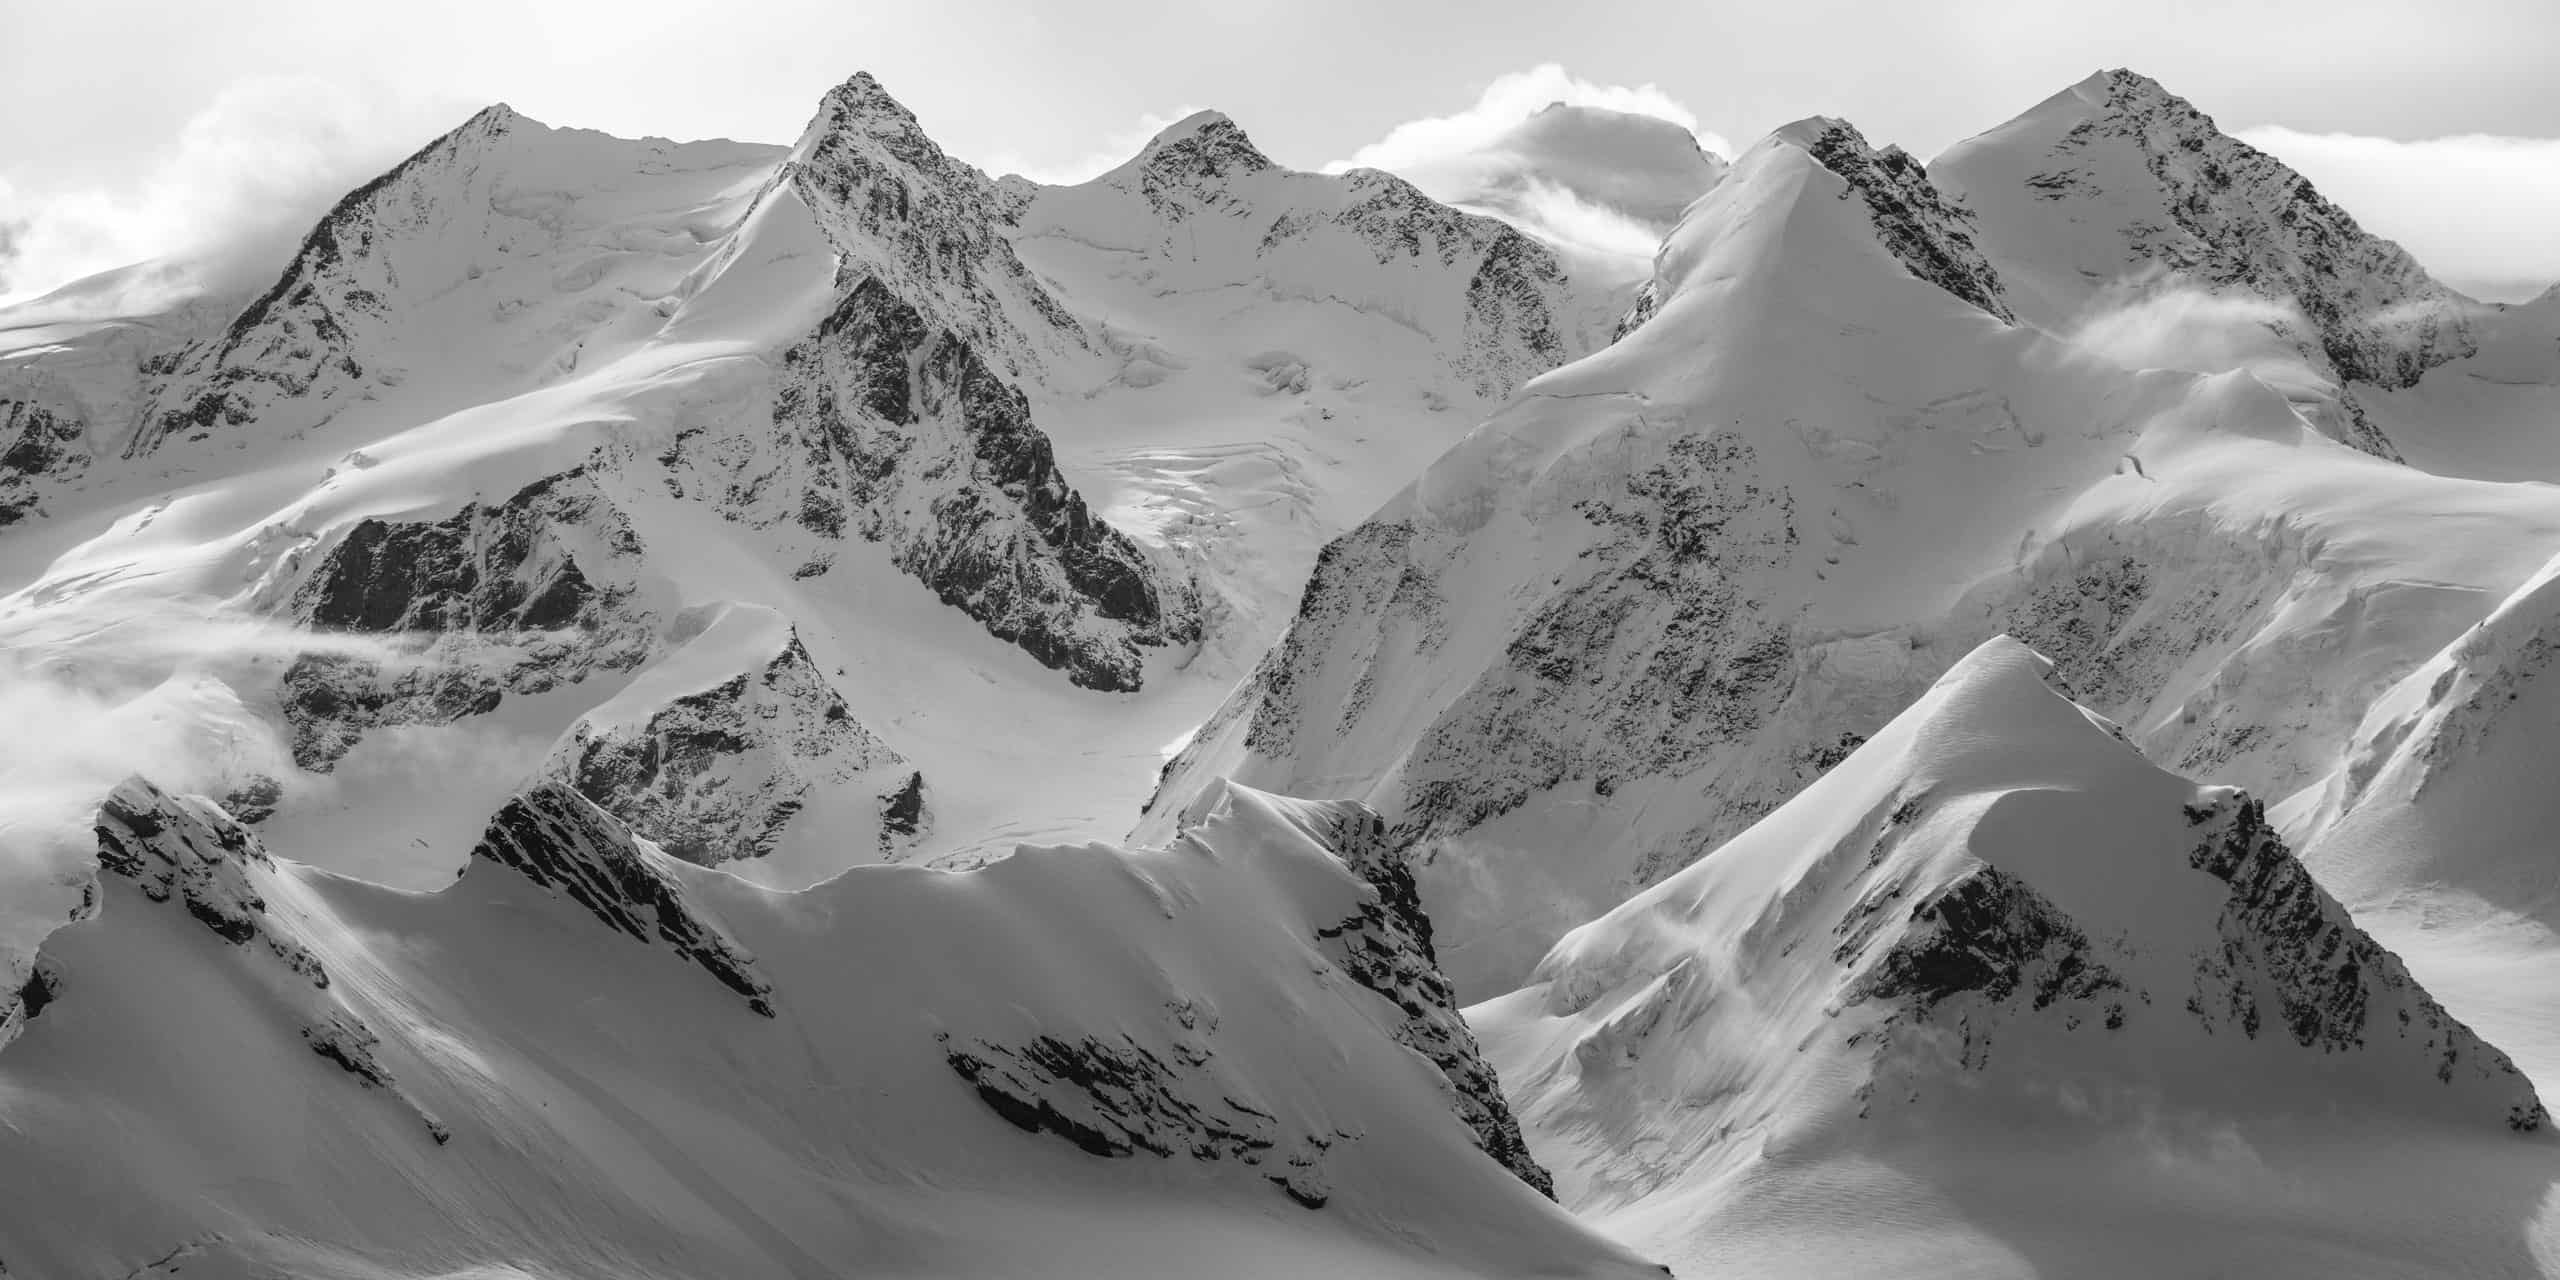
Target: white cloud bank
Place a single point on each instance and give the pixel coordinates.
(2482, 212)
(1422, 145)
(245, 178)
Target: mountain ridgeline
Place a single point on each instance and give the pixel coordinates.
(802, 710)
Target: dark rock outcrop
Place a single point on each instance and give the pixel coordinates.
(186, 851)
(489, 601)
(40, 441)
(1931, 237)
(562, 842)
(912, 440)
(1117, 1099)
(721, 774)
(1386, 947)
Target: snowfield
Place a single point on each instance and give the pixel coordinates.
(661, 709)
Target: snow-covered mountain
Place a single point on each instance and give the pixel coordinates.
(1995, 961)
(1670, 584)
(591, 723)
(585, 1057)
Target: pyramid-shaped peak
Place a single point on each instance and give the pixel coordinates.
(1204, 144)
(861, 106)
(861, 92)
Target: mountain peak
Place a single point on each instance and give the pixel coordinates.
(1932, 237)
(860, 105)
(1204, 144)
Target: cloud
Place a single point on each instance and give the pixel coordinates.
(1555, 213)
(2140, 325)
(1421, 145)
(103, 687)
(1114, 151)
(2478, 209)
(230, 197)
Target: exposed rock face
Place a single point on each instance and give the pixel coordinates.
(184, 850)
(894, 206)
(2336, 989)
(562, 842)
(1115, 1100)
(1386, 947)
(910, 439)
(1931, 237)
(303, 342)
(720, 774)
(900, 421)
(187, 851)
(1648, 661)
(1987, 933)
(41, 440)
(496, 598)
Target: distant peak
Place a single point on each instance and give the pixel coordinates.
(1204, 144)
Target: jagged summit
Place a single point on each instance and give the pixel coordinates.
(1931, 236)
(1200, 149)
(2118, 184)
(860, 104)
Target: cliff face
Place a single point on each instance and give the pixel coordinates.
(1930, 236)
(566, 845)
(900, 419)
(733, 770)
(518, 596)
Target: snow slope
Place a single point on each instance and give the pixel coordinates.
(1996, 996)
(585, 1058)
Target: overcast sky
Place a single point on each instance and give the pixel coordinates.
(131, 129)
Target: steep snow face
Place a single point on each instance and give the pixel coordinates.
(501, 194)
(737, 746)
(585, 1053)
(2117, 184)
(2435, 825)
(1995, 932)
(1677, 580)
